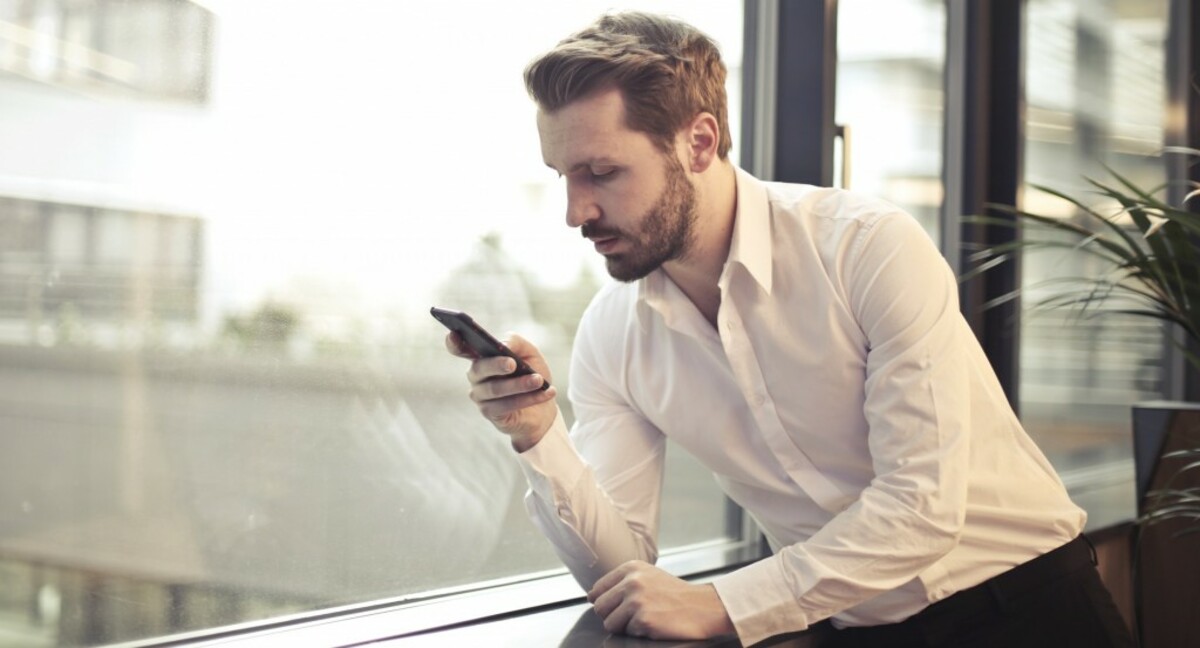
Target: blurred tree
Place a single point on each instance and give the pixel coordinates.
(270, 327)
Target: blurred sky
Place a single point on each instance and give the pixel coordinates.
(367, 146)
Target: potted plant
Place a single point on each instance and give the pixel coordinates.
(1146, 256)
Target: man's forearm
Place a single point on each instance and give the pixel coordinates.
(589, 532)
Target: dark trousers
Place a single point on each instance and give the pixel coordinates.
(1053, 601)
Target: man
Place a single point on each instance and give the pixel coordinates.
(805, 344)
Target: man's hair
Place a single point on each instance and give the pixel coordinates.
(666, 70)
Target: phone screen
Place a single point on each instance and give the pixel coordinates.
(480, 341)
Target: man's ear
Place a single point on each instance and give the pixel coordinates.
(703, 136)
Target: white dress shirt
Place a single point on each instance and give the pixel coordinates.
(842, 400)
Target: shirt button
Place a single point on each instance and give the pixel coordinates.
(758, 400)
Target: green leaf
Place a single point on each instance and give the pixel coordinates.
(1150, 269)
(1180, 149)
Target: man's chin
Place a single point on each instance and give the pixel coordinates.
(622, 269)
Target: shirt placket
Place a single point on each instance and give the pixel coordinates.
(749, 377)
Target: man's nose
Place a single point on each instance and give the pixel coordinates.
(581, 205)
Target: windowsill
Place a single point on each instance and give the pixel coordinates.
(575, 624)
(553, 603)
(551, 609)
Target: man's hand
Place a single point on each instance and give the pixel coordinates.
(642, 600)
(515, 405)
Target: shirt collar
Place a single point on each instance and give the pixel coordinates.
(658, 294)
(750, 248)
(751, 244)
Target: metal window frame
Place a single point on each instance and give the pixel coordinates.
(982, 165)
(792, 93)
(1182, 382)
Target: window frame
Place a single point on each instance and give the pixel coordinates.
(431, 610)
(795, 77)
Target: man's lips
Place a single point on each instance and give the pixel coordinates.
(604, 239)
(605, 244)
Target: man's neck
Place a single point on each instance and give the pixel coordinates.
(697, 274)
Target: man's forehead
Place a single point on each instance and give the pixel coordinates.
(599, 113)
(588, 130)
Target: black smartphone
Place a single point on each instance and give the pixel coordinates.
(480, 341)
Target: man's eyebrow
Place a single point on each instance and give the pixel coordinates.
(599, 161)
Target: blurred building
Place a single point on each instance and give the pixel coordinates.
(91, 250)
(87, 275)
(147, 49)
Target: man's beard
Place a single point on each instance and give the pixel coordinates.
(666, 232)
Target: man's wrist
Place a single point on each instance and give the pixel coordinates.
(525, 442)
(725, 622)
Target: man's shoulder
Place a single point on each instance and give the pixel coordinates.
(613, 307)
(603, 333)
(826, 203)
(833, 221)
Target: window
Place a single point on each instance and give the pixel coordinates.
(896, 153)
(224, 399)
(153, 49)
(80, 275)
(1095, 88)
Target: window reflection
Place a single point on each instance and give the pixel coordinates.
(222, 225)
(1095, 92)
(157, 49)
(889, 94)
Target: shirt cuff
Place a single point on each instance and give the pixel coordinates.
(552, 466)
(760, 603)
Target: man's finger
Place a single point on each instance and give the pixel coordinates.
(606, 602)
(496, 410)
(493, 389)
(618, 620)
(484, 369)
(607, 582)
(525, 350)
(456, 346)
(517, 344)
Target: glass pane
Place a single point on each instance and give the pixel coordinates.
(156, 49)
(222, 397)
(1095, 94)
(889, 95)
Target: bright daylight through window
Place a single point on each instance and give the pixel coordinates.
(222, 225)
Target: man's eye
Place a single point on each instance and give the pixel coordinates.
(603, 175)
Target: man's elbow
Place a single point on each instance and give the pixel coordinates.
(927, 526)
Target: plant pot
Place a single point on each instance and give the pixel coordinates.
(1166, 565)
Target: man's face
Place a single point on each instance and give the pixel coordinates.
(633, 202)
